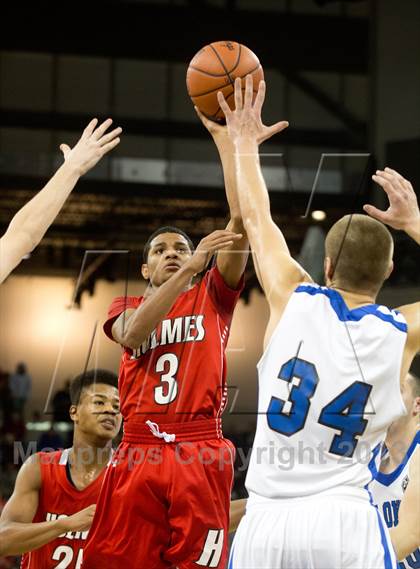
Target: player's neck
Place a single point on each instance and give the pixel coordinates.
(399, 437)
(89, 454)
(355, 299)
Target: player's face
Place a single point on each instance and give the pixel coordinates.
(98, 412)
(168, 253)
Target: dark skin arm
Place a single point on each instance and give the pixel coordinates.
(18, 534)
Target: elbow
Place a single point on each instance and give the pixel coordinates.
(4, 540)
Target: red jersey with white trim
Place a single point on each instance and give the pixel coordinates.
(179, 372)
(59, 498)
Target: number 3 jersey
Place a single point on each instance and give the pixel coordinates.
(179, 373)
(58, 497)
(329, 387)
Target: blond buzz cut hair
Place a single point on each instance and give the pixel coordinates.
(360, 249)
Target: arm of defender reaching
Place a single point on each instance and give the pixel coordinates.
(18, 534)
(277, 271)
(237, 512)
(133, 327)
(231, 262)
(32, 221)
(406, 536)
(403, 213)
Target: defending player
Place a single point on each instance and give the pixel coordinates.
(329, 379)
(52, 506)
(396, 487)
(29, 225)
(165, 500)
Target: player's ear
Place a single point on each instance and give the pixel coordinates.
(73, 413)
(145, 271)
(328, 270)
(416, 406)
(390, 269)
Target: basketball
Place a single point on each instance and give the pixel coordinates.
(214, 68)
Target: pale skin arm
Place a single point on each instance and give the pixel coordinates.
(30, 224)
(133, 326)
(231, 262)
(277, 271)
(237, 512)
(403, 213)
(18, 534)
(406, 536)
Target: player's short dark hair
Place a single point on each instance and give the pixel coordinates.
(360, 249)
(415, 383)
(89, 378)
(164, 229)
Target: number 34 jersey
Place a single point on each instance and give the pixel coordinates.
(59, 498)
(329, 387)
(179, 373)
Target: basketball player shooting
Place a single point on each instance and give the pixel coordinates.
(165, 498)
(329, 379)
(29, 225)
(51, 509)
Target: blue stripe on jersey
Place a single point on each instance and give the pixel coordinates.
(230, 566)
(387, 479)
(344, 313)
(373, 470)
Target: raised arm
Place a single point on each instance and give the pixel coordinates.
(18, 534)
(406, 536)
(231, 261)
(133, 327)
(403, 213)
(277, 271)
(32, 221)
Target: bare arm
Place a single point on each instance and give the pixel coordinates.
(237, 512)
(31, 222)
(406, 536)
(403, 213)
(17, 532)
(277, 271)
(231, 262)
(133, 327)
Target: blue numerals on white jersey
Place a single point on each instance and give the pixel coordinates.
(289, 417)
(344, 413)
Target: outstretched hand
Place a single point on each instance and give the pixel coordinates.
(403, 211)
(245, 121)
(92, 146)
(209, 245)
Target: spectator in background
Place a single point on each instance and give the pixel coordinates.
(61, 404)
(5, 398)
(20, 384)
(50, 440)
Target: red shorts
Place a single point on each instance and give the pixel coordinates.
(164, 504)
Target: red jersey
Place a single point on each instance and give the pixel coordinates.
(179, 372)
(59, 498)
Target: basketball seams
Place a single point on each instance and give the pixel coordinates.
(222, 63)
(223, 86)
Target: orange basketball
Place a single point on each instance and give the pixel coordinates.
(214, 68)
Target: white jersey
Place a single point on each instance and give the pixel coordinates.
(329, 387)
(387, 491)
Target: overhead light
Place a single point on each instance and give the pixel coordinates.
(319, 215)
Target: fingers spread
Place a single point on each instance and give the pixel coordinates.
(90, 128)
(101, 129)
(238, 93)
(248, 92)
(110, 136)
(223, 104)
(259, 99)
(107, 147)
